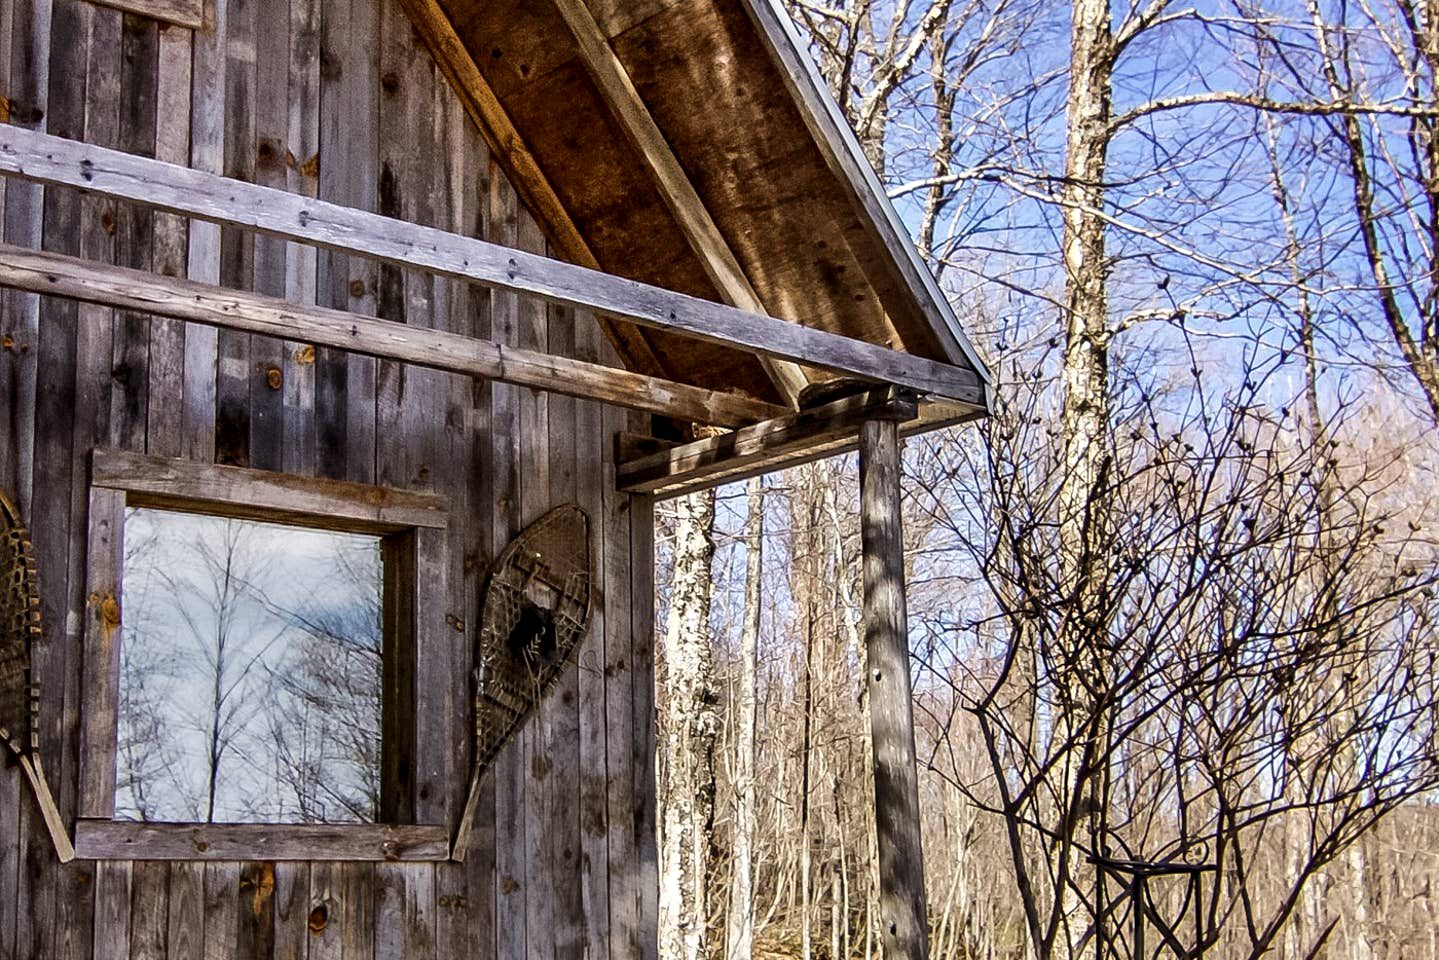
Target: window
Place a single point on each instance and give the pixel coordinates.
(250, 672)
(251, 666)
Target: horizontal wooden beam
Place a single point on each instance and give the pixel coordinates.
(127, 840)
(40, 157)
(264, 495)
(142, 292)
(762, 447)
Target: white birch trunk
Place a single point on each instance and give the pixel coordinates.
(739, 936)
(1083, 527)
(689, 726)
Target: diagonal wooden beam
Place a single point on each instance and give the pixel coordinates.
(43, 158)
(840, 147)
(519, 165)
(142, 292)
(719, 261)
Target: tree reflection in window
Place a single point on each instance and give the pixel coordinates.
(250, 676)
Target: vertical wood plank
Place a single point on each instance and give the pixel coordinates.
(454, 472)
(56, 911)
(134, 236)
(272, 122)
(9, 775)
(481, 881)
(292, 910)
(562, 738)
(185, 934)
(7, 32)
(207, 152)
(149, 905)
(256, 910)
(535, 498)
(358, 895)
(28, 90)
(405, 910)
(326, 917)
(112, 910)
(302, 163)
(300, 453)
(110, 934)
(102, 653)
(360, 98)
(593, 798)
(619, 710)
(642, 638)
(166, 398)
(507, 775)
(904, 927)
(237, 248)
(222, 904)
(332, 272)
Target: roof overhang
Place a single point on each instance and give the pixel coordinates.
(692, 145)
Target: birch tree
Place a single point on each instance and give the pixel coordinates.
(739, 930)
(688, 730)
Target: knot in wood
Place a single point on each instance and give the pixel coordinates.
(109, 611)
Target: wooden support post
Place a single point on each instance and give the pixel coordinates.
(904, 928)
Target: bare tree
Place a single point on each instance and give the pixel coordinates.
(688, 731)
(325, 695)
(739, 936)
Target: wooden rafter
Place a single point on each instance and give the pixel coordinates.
(513, 155)
(47, 159)
(840, 147)
(719, 261)
(762, 447)
(143, 292)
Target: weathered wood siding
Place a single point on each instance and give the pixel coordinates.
(334, 98)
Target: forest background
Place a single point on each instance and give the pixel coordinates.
(1172, 608)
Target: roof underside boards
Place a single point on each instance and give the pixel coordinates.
(798, 229)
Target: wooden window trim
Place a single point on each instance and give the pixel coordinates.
(183, 13)
(411, 526)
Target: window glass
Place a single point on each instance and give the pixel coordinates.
(250, 679)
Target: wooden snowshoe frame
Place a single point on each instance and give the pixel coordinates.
(536, 612)
(20, 630)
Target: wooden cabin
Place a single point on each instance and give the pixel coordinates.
(413, 272)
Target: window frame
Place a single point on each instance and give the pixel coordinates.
(412, 528)
(182, 13)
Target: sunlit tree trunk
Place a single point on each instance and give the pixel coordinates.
(739, 937)
(1084, 528)
(689, 724)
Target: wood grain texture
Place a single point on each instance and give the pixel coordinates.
(102, 653)
(58, 275)
(762, 447)
(46, 159)
(903, 919)
(689, 211)
(841, 149)
(127, 840)
(519, 165)
(183, 13)
(132, 375)
(261, 494)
